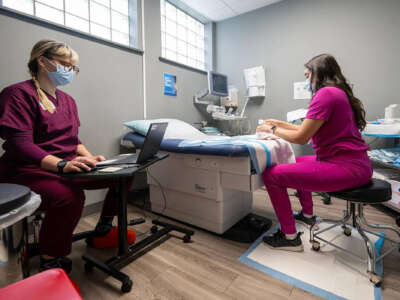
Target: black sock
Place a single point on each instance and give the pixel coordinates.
(106, 220)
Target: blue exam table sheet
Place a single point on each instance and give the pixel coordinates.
(172, 145)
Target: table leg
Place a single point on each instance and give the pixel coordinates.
(121, 195)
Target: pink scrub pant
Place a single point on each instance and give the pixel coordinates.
(308, 174)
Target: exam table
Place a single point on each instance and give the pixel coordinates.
(210, 187)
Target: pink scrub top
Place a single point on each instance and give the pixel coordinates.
(339, 132)
(31, 132)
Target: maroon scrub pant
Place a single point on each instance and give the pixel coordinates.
(62, 202)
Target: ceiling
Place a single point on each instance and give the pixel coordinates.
(218, 10)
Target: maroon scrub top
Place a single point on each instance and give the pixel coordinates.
(22, 113)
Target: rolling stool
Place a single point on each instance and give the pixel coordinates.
(12, 198)
(17, 202)
(47, 285)
(376, 191)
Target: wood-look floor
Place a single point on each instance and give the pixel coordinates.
(205, 269)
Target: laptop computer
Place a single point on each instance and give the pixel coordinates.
(151, 145)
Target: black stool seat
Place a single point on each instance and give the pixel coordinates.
(376, 191)
(12, 196)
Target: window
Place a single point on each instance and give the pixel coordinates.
(182, 37)
(107, 19)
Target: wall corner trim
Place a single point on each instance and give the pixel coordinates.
(183, 66)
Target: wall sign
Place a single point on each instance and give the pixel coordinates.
(300, 91)
(170, 85)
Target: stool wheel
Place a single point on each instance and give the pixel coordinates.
(398, 221)
(316, 245)
(375, 279)
(314, 227)
(154, 229)
(186, 238)
(327, 200)
(126, 286)
(88, 267)
(346, 231)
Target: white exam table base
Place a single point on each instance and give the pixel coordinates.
(210, 192)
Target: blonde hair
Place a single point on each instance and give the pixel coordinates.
(49, 49)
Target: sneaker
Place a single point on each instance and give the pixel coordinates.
(306, 221)
(58, 262)
(278, 241)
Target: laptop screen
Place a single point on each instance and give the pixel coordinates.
(153, 140)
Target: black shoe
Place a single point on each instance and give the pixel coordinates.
(57, 262)
(279, 241)
(103, 227)
(306, 221)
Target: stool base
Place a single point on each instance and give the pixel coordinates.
(355, 213)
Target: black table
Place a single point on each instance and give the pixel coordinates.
(127, 254)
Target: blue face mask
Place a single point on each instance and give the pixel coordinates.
(61, 76)
(308, 85)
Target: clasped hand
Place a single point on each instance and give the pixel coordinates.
(266, 127)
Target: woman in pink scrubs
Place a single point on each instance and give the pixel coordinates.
(333, 123)
(39, 124)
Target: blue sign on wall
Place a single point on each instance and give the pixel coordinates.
(170, 85)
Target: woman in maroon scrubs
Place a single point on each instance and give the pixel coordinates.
(39, 124)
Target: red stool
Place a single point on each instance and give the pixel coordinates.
(48, 285)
